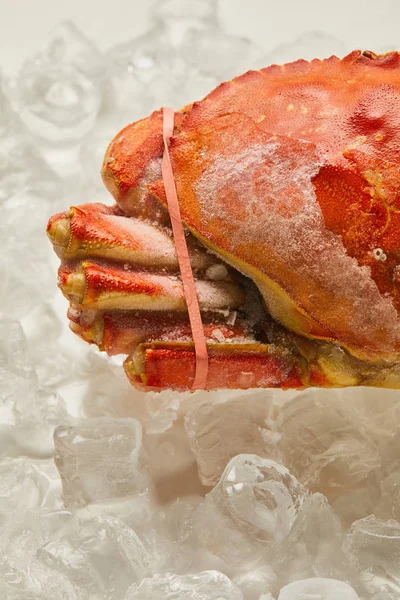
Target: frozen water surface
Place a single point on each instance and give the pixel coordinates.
(257, 496)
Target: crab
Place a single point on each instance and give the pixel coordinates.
(288, 180)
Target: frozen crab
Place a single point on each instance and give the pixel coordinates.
(288, 181)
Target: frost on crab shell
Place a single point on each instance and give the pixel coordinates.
(300, 238)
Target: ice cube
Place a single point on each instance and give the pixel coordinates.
(30, 412)
(378, 587)
(235, 54)
(326, 444)
(161, 410)
(255, 582)
(9, 122)
(17, 296)
(177, 520)
(374, 545)
(91, 157)
(175, 61)
(110, 394)
(195, 29)
(57, 92)
(21, 168)
(48, 587)
(57, 103)
(385, 593)
(14, 354)
(208, 585)
(25, 263)
(37, 415)
(313, 548)
(23, 533)
(12, 386)
(54, 362)
(147, 74)
(100, 459)
(52, 585)
(384, 481)
(175, 545)
(219, 430)
(17, 593)
(251, 510)
(25, 483)
(318, 589)
(28, 417)
(100, 556)
(66, 44)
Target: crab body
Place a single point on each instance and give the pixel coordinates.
(288, 185)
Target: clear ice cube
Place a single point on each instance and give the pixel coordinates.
(219, 430)
(57, 92)
(17, 296)
(235, 55)
(251, 510)
(313, 548)
(208, 585)
(27, 484)
(47, 587)
(110, 394)
(181, 67)
(100, 459)
(28, 413)
(326, 444)
(374, 545)
(384, 481)
(14, 354)
(36, 417)
(255, 582)
(22, 168)
(146, 75)
(57, 103)
(318, 589)
(100, 556)
(66, 44)
(23, 533)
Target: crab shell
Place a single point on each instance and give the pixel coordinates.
(290, 177)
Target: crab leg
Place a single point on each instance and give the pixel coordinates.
(106, 286)
(172, 366)
(95, 230)
(120, 332)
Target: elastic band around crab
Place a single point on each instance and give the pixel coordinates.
(185, 267)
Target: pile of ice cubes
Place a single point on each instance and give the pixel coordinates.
(263, 495)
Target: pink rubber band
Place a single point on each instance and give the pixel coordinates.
(196, 324)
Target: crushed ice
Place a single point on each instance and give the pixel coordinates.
(258, 496)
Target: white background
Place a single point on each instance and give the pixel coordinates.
(365, 24)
